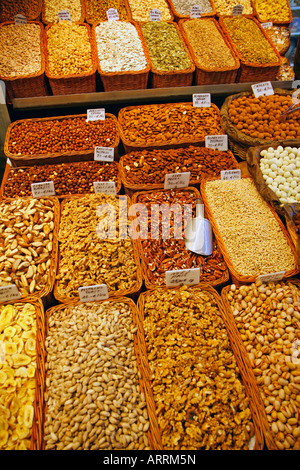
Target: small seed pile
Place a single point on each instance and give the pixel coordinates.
(183, 7)
(20, 50)
(96, 11)
(93, 398)
(224, 7)
(53, 7)
(119, 47)
(165, 46)
(140, 9)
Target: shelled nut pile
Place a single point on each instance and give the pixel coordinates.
(92, 248)
(20, 50)
(53, 7)
(278, 12)
(96, 11)
(252, 236)
(73, 178)
(200, 398)
(17, 375)
(93, 396)
(140, 9)
(165, 46)
(119, 47)
(68, 134)
(184, 7)
(224, 7)
(69, 50)
(26, 243)
(268, 318)
(150, 166)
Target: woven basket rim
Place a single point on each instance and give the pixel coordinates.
(247, 376)
(42, 49)
(127, 72)
(167, 73)
(226, 41)
(47, 22)
(235, 48)
(50, 155)
(235, 274)
(112, 294)
(91, 21)
(75, 75)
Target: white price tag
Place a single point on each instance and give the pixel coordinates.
(154, 15)
(231, 175)
(179, 277)
(43, 189)
(105, 187)
(104, 154)
(217, 142)
(177, 180)
(272, 277)
(20, 19)
(112, 14)
(9, 293)
(202, 100)
(237, 10)
(196, 11)
(96, 114)
(93, 293)
(267, 25)
(64, 15)
(262, 89)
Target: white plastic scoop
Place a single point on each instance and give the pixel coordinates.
(198, 233)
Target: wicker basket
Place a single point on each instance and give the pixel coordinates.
(46, 22)
(288, 20)
(45, 294)
(132, 292)
(131, 188)
(96, 19)
(77, 83)
(7, 171)
(177, 78)
(236, 276)
(178, 16)
(36, 434)
(129, 80)
(153, 432)
(150, 283)
(25, 86)
(55, 157)
(253, 72)
(264, 423)
(243, 364)
(168, 143)
(209, 76)
(290, 212)
(19, 7)
(240, 142)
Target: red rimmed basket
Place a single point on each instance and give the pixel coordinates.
(46, 21)
(124, 80)
(211, 75)
(236, 276)
(74, 83)
(55, 157)
(25, 86)
(165, 78)
(247, 377)
(145, 387)
(251, 71)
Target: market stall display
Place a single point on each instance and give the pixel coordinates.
(96, 11)
(280, 37)
(140, 9)
(52, 9)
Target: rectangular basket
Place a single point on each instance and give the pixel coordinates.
(210, 76)
(245, 371)
(129, 80)
(75, 83)
(93, 19)
(291, 211)
(130, 146)
(264, 423)
(36, 434)
(236, 276)
(25, 86)
(132, 292)
(253, 72)
(55, 157)
(44, 13)
(288, 20)
(176, 78)
(178, 16)
(31, 12)
(151, 284)
(8, 170)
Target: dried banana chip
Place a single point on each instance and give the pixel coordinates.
(3, 424)
(3, 438)
(3, 377)
(21, 372)
(6, 316)
(21, 360)
(22, 431)
(30, 346)
(28, 416)
(10, 348)
(9, 332)
(4, 412)
(31, 371)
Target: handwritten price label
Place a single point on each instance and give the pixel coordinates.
(202, 100)
(217, 142)
(93, 293)
(262, 89)
(154, 15)
(230, 175)
(20, 19)
(177, 180)
(9, 293)
(182, 277)
(237, 10)
(96, 114)
(196, 11)
(43, 189)
(272, 277)
(104, 154)
(112, 14)
(64, 15)
(105, 187)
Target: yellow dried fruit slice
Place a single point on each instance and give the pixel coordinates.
(6, 316)
(22, 431)
(21, 372)
(31, 371)
(28, 334)
(3, 438)
(4, 412)
(10, 348)
(10, 332)
(28, 416)
(21, 360)
(3, 377)
(3, 424)
(15, 406)
(30, 347)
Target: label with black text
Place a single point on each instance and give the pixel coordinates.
(272, 277)
(217, 142)
(202, 100)
(104, 154)
(231, 175)
(96, 114)
(179, 277)
(262, 89)
(196, 11)
(9, 293)
(154, 15)
(105, 187)
(64, 15)
(43, 189)
(20, 19)
(177, 180)
(112, 14)
(93, 293)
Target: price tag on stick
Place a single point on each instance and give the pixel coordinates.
(202, 100)
(105, 187)
(64, 15)
(177, 180)
(93, 293)
(179, 277)
(104, 154)
(43, 189)
(9, 293)
(96, 114)
(217, 142)
(262, 89)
